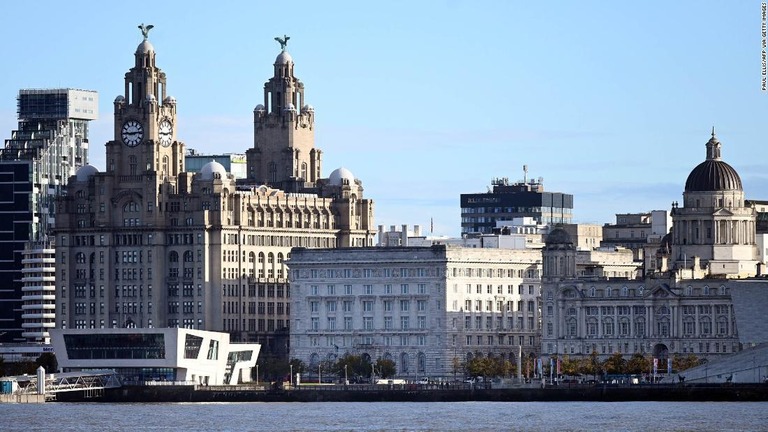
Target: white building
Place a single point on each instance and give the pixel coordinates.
(160, 354)
(425, 308)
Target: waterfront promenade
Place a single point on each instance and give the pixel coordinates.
(415, 393)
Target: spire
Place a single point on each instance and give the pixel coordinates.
(713, 147)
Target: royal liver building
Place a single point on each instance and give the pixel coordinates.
(146, 244)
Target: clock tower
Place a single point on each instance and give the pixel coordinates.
(145, 142)
(284, 154)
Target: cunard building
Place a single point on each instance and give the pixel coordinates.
(146, 244)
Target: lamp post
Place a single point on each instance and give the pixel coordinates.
(319, 374)
(257, 374)
(346, 378)
(291, 377)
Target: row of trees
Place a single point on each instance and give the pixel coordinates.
(618, 364)
(355, 367)
(46, 360)
(359, 368)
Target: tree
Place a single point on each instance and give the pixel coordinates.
(297, 367)
(683, 363)
(356, 366)
(48, 361)
(615, 364)
(489, 367)
(591, 365)
(638, 364)
(569, 366)
(385, 368)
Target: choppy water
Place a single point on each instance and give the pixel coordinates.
(393, 416)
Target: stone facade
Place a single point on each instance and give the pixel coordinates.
(425, 308)
(679, 305)
(147, 244)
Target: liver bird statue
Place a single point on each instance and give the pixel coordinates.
(283, 41)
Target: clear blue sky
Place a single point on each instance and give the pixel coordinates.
(424, 100)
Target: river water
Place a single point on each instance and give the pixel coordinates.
(388, 416)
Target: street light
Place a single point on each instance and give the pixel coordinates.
(319, 374)
(257, 374)
(346, 378)
(291, 377)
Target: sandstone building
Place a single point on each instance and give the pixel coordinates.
(148, 244)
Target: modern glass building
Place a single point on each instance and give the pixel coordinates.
(50, 144)
(480, 212)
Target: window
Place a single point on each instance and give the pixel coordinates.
(368, 306)
(421, 305)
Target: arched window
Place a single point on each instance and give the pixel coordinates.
(404, 363)
(592, 291)
(173, 257)
(422, 363)
(624, 291)
(608, 327)
(571, 327)
(722, 326)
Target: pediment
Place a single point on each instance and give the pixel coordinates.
(722, 212)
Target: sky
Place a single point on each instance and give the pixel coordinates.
(611, 102)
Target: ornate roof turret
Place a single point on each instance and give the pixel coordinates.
(713, 174)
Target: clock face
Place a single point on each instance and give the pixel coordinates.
(132, 133)
(165, 132)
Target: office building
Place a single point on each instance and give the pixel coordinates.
(147, 243)
(50, 144)
(428, 309)
(480, 212)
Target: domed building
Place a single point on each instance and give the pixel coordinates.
(684, 305)
(714, 230)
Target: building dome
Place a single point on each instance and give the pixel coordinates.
(259, 107)
(210, 170)
(308, 108)
(713, 174)
(283, 58)
(558, 236)
(150, 98)
(169, 100)
(289, 107)
(338, 175)
(120, 99)
(145, 47)
(85, 172)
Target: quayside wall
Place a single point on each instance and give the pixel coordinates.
(598, 393)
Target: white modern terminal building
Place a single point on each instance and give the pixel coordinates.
(143, 355)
